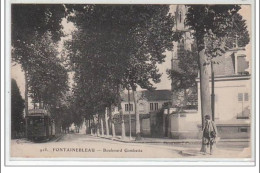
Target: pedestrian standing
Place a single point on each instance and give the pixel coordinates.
(209, 135)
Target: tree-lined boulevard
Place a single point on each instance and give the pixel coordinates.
(114, 48)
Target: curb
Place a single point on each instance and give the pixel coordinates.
(58, 138)
(172, 142)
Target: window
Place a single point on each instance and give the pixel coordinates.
(129, 107)
(246, 96)
(243, 97)
(243, 129)
(155, 106)
(126, 107)
(180, 49)
(240, 97)
(242, 65)
(151, 106)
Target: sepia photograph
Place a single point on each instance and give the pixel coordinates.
(131, 81)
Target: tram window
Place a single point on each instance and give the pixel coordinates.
(41, 120)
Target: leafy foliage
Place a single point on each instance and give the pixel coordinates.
(47, 78)
(217, 25)
(31, 19)
(115, 47)
(186, 71)
(17, 107)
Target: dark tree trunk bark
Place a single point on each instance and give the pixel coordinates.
(121, 113)
(137, 117)
(112, 122)
(106, 122)
(97, 127)
(26, 93)
(102, 126)
(26, 102)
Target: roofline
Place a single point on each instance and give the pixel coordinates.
(231, 125)
(236, 49)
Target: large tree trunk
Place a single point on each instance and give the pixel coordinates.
(204, 86)
(26, 102)
(112, 122)
(97, 127)
(91, 127)
(185, 99)
(137, 117)
(204, 90)
(102, 126)
(106, 122)
(130, 119)
(121, 113)
(26, 93)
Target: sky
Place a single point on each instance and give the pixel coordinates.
(165, 83)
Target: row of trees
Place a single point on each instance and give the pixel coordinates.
(36, 30)
(17, 107)
(116, 48)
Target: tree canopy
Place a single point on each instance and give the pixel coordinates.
(29, 19)
(17, 107)
(220, 25)
(117, 45)
(186, 71)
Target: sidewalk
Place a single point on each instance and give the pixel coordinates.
(185, 151)
(164, 140)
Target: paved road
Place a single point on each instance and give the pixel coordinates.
(85, 146)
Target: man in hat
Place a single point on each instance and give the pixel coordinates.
(209, 134)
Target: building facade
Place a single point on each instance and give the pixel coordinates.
(149, 104)
(232, 94)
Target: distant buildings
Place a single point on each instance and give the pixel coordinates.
(149, 104)
(149, 101)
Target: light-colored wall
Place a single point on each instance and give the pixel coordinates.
(227, 106)
(127, 112)
(145, 106)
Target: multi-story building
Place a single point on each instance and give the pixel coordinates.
(232, 94)
(232, 91)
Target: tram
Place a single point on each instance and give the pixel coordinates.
(39, 125)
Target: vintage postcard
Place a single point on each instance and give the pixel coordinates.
(154, 83)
